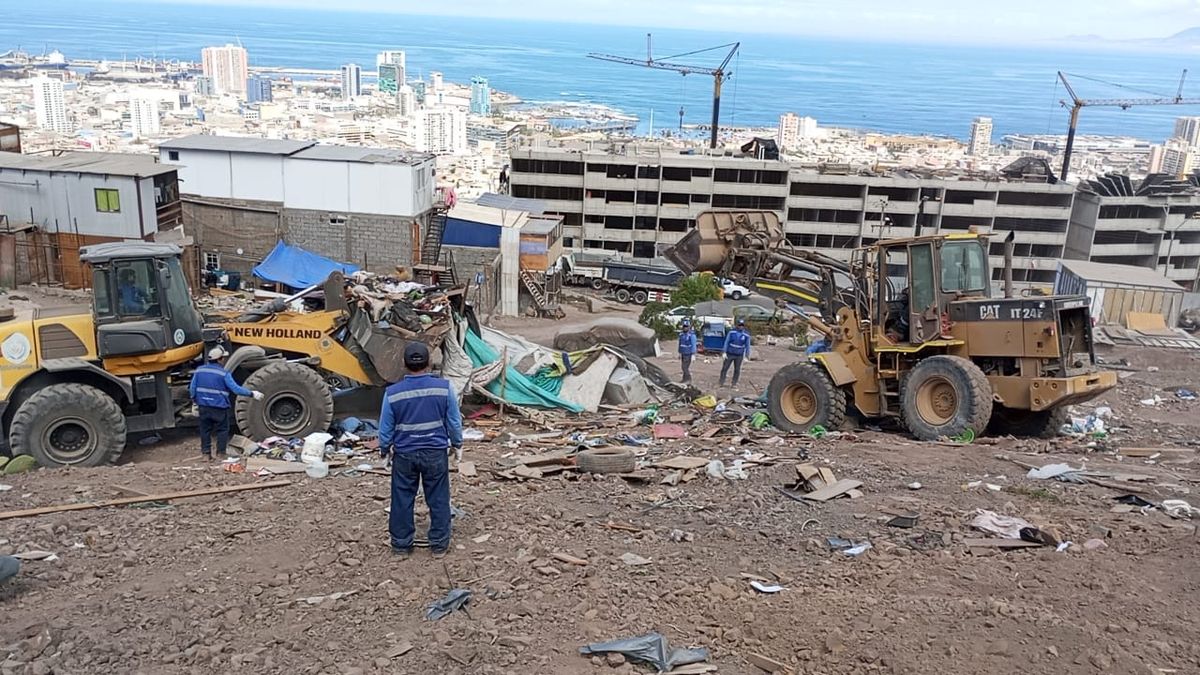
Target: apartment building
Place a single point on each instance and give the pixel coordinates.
(1152, 223)
(635, 201)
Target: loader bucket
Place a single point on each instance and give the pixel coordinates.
(706, 248)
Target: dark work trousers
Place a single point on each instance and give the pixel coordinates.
(430, 469)
(736, 362)
(685, 362)
(214, 421)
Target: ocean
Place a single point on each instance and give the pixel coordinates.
(896, 88)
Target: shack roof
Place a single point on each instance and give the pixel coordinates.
(1119, 275)
(262, 146)
(99, 163)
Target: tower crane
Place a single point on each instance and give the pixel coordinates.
(1076, 104)
(719, 74)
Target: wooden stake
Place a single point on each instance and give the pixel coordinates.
(124, 501)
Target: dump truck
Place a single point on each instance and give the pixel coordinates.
(74, 381)
(631, 282)
(912, 331)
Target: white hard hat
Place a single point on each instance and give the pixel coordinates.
(217, 353)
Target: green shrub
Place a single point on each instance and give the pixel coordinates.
(652, 318)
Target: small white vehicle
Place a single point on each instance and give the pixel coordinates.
(733, 290)
(677, 315)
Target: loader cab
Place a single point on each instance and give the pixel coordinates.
(140, 299)
(920, 277)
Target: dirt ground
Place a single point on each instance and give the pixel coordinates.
(248, 582)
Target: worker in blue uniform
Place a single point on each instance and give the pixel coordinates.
(687, 350)
(210, 389)
(133, 300)
(419, 424)
(737, 348)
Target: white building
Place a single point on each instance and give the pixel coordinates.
(435, 81)
(1187, 130)
(143, 118)
(351, 81)
(1178, 159)
(792, 128)
(441, 131)
(406, 101)
(49, 105)
(396, 58)
(981, 137)
(227, 66)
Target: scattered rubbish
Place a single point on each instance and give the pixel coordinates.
(667, 431)
(318, 599)
(473, 435)
(20, 464)
(317, 469)
(634, 560)
(606, 460)
(455, 600)
(1185, 395)
(1061, 472)
(467, 469)
(651, 648)
(1179, 508)
(1094, 544)
(905, 521)
(967, 436)
(679, 536)
(1151, 401)
(400, 649)
(124, 501)
(707, 401)
(999, 543)
(1036, 536)
(1093, 425)
(1062, 547)
(978, 483)
(314, 447)
(735, 471)
(768, 664)
(682, 462)
(1134, 500)
(764, 588)
(914, 486)
(5, 488)
(848, 547)
(1005, 526)
(759, 420)
(569, 559)
(817, 431)
(36, 555)
(857, 550)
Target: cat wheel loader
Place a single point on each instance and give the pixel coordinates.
(911, 331)
(75, 381)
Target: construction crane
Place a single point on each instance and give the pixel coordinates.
(719, 74)
(1076, 104)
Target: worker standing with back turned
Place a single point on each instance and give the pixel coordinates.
(737, 347)
(419, 424)
(687, 350)
(210, 389)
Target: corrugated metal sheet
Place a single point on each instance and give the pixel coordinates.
(1121, 275)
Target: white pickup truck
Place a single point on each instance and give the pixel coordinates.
(732, 290)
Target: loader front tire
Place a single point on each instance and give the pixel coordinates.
(69, 425)
(296, 402)
(801, 396)
(943, 396)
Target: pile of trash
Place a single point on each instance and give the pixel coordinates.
(353, 451)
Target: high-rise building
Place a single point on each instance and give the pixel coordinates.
(406, 101)
(1156, 159)
(441, 131)
(419, 89)
(143, 118)
(1179, 159)
(1187, 129)
(981, 137)
(792, 128)
(228, 68)
(50, 106)
(481, 97)
(391, 76)
(435, 81)
(258, 90)
(396, 58)
(204, 86)
(351, 81)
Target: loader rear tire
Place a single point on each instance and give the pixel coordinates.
(69, 425)
(801, 396)
(943, 396)
(1027, 423)
(296, 402)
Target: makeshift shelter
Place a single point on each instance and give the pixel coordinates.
(1118, 291)
(295, 267)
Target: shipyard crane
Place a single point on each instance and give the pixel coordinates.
(719, 74)
(1076, 104)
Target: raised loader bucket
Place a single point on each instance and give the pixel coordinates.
(706, 248)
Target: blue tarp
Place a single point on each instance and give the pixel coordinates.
(298, 268)
(518, 389)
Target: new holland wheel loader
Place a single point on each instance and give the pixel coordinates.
(74, 381)
(911, 331)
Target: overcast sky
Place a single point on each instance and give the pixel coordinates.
(955, 20)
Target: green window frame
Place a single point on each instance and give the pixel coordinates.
(108, 200)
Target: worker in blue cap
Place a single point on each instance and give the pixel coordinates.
(737, 348)
(687, 349)
(419, 424)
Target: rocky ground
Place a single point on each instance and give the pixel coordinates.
(299, 579)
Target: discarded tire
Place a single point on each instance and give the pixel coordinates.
(606, 460)
(68, 424)
(296, 402)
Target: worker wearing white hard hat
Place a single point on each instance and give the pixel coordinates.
(210, 389)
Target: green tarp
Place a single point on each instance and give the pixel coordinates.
(518, 389)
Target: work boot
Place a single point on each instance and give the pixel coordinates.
(439, 553)
(402, 554)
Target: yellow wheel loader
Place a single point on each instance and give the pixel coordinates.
(911, 331)
(75, 381)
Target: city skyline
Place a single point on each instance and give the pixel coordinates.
(938, 21)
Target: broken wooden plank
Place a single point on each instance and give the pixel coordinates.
(559, 457)
(837, 489)
(768, 664)
(827, 475)
(275, 466)
(693, 669)
(807, 472)
(682, 462)
(999, 543)
(467, 469)
(124, 501)
(1150, 452)
(622, 526)
(528, 472)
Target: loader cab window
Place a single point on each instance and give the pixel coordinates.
(179, 301)
(136, 290)
(964, 268)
